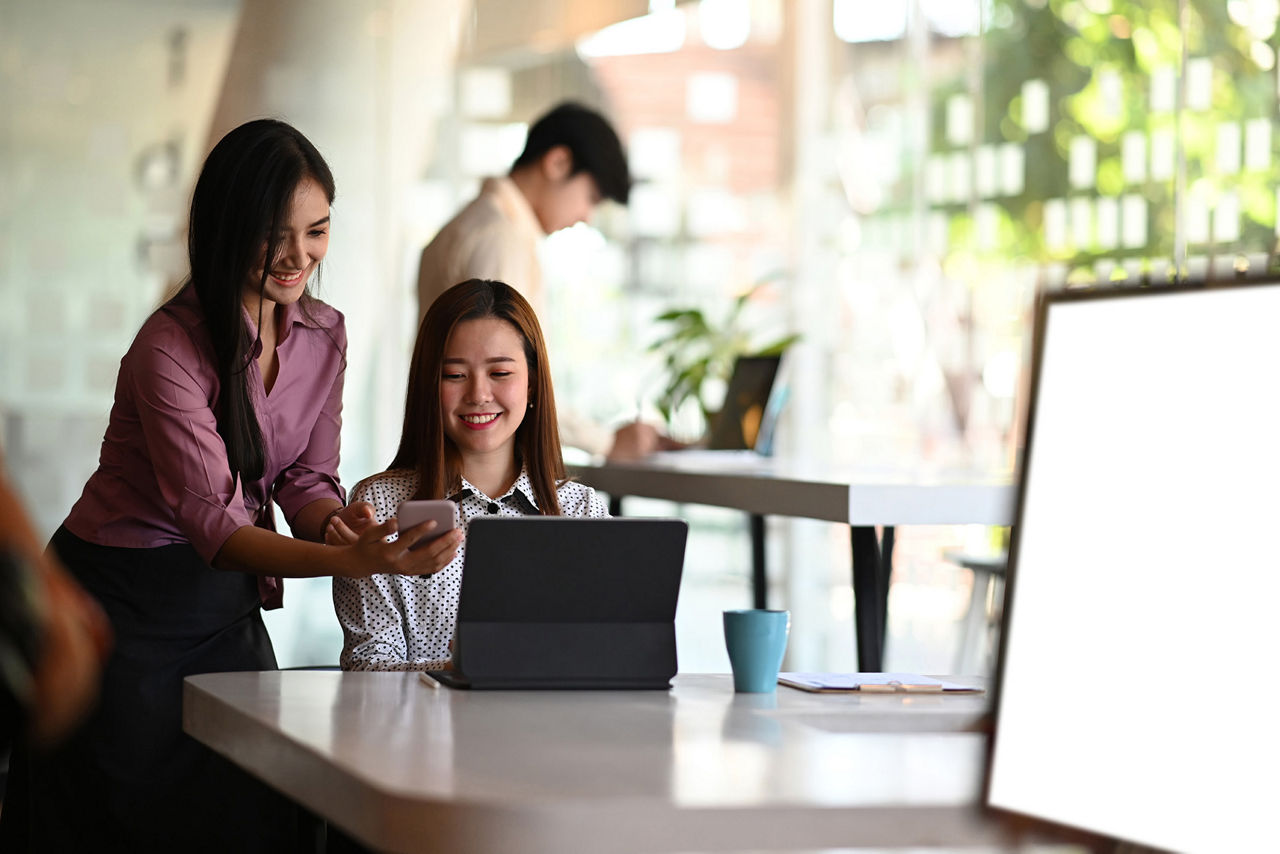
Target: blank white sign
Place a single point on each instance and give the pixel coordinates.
(1138, 695)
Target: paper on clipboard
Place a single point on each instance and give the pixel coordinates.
(877, 683)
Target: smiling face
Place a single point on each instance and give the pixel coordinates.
(484, 388)
(302, 243)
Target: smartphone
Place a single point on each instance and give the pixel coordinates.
(412, 513)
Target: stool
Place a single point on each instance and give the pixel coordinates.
(985, 606)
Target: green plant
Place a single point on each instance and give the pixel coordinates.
(695, 350)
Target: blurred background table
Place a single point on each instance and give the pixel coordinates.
(863, 499)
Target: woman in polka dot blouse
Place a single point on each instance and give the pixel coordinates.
(479, 429)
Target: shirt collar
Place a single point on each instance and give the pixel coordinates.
(188, 300)
(508, 197)
(293, 315)
(522, 487)
(293, 312)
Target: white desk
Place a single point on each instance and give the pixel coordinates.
(406, 768)
(860, 498)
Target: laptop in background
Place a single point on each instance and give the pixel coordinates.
(553, 602)
(1136, 697)
(750, 411)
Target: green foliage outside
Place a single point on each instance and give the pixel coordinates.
(1069, 44)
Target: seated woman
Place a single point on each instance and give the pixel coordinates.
(479, 429)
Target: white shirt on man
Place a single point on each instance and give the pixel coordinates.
(496, 237)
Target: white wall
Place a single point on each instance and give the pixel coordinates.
(107, 109)
(104, 109)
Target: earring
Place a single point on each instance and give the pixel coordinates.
(531, 404)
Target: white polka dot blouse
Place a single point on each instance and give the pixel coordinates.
(405, 622)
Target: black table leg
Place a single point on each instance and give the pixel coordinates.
(759, 584)
(311, 832)
(886, 573)
(872, 564)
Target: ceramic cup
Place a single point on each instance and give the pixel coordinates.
(756, 640)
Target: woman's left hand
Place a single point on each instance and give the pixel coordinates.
(344, 528)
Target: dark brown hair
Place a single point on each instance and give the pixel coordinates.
(424, 447)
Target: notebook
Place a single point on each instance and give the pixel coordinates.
(750, 410)
(873, 683)
(1134, 699)
(551, 602)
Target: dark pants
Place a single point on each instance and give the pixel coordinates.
(130, 779)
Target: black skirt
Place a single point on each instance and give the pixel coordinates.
(130, 779)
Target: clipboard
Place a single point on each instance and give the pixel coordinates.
(872, 683)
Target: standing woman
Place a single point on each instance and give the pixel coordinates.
(229, 398)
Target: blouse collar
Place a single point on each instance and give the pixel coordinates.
(513, 202)
(521, 489)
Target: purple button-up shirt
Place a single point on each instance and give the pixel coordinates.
(163, 475)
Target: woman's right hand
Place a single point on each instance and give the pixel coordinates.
(371, 553)
(344, 526)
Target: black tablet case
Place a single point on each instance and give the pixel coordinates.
(556, 602)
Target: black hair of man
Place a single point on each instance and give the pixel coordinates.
(592, 142)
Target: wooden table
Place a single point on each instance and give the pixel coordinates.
(403, 767)
(860, 498)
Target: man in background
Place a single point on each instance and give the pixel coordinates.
(572, 161)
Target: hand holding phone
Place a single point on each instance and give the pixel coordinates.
(411, 513)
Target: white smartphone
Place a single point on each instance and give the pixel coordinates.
(412, 513)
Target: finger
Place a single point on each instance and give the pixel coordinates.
(435, 555)
(358, 525)
(339, 533)
(332, 535)
(411, 536)
(376, 533)
(442, 549)
(361, 510)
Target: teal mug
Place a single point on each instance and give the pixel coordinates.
(756, 640)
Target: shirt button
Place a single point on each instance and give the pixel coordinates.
(493, 507)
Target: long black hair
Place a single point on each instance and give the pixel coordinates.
(241, 202)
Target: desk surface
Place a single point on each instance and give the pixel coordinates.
(774, 486)
(405, 767)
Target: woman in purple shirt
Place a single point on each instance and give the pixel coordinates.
(229, 399)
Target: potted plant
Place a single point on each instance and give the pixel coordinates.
(695, 350)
